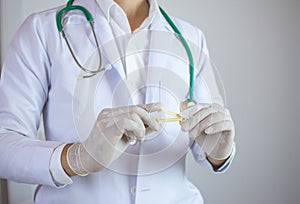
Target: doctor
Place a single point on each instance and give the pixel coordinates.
(104, 143)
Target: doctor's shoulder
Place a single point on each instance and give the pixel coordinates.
(193, 34)
(45, 16)
(41, 23)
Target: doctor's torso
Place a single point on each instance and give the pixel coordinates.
(155, 71)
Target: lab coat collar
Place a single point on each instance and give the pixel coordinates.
(107, 5)
(113, 12)
(107, 37)
(93, 6)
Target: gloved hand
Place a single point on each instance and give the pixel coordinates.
(110, 136)
(211, 127)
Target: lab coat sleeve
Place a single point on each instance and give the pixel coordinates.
(206, 90)
(200, 158)
(59, 175)
(23, 93)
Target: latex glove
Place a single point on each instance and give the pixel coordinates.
(110, 137)
(211, 126)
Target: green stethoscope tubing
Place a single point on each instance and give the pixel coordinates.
(89, 18)
(188, 51)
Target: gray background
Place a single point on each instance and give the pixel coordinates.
(256, 46)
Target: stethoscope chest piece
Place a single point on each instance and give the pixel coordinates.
(186, 104)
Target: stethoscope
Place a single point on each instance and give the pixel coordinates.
(100, 68)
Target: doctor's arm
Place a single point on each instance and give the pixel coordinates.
(111, 135)
(209, 122)
(24, 88)
(212, 128)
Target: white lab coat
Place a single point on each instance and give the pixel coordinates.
(39, 77)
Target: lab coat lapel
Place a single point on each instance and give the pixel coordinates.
(109, 49)
(167, 83)
(110, 90)
(167, 65)
(108, 44)
(153, 93)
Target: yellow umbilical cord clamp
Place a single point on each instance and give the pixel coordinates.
(177, 117)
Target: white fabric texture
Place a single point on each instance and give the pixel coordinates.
(39, 77)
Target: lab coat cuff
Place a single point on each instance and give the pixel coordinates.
(59, 176)
(228, 161)
(200, 158)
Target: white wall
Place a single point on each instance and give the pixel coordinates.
(14, 12)
(256, 47)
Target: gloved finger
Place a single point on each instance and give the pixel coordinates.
(226, 125)
(135, 117)
(192, 110)
(199, 116)
(208, 142)
(126, 125)
(128, 111)
(222, 116)
(146, 117)
(142, 110)
(209, 120)
(118, 111)
(151, 107)
(213, 118)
